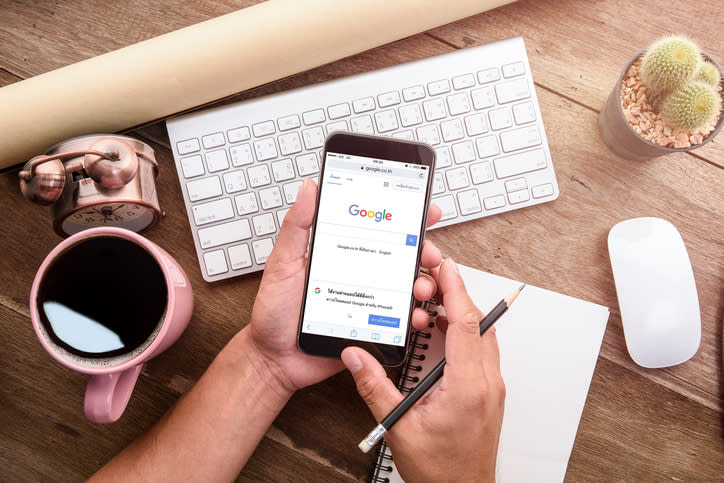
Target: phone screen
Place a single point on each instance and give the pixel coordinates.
(365, 251)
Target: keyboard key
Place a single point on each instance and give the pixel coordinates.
(263, 128)
(213, 140)
(215, 262)
(290, 192)
(262, 248)
(542, 190)
(488, 75)
(338, 110)
(442, 157)
(313, 137)
(192, 166)
(386, 121)
(428, 134)
(458, 103)
(225, 233)
(270, 198)
(520, 163)
(457, 178)
(363, 105)
(500, 118)
(514, 90)
(258, 176)
(463, 81)
(409, 135)
(513, 70)
(288, 122)
(388, 99)
(246, 203)
(234, 181)
(212, 211)
(524, 113)
(188, 146)
(518, 196)
(413, 93)
(289, 144)
(434, 109)
(410, 115)
(307, 164)
(241, 155)
(522, 138)
(264, 224)
(463, 152)
(313, 117)
(337, 126)
(239, 256)
(447, 206)
(265, 149)
(452, 130)
(217, 161)
(481, 172)
(487, 146)
(438, 87)
(469, 202)
(494, 202)
(362, 124)
(282, 170)
(239, 134)
(203, 189)
(515, 184)
(483, 98)
(476, 124)
(438, 184)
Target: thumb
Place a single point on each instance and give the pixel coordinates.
(373, 385)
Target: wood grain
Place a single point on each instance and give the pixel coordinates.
(638, 424)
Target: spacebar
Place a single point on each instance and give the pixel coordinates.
(520, 163)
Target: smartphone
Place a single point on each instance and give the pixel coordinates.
(365, 246)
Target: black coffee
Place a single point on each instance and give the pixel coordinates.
(102, 297)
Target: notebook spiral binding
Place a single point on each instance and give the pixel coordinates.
(408, 379)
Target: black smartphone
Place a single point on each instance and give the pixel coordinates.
(365, 246)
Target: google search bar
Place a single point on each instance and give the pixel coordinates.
(351, 234)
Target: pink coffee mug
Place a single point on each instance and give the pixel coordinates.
(103, 302)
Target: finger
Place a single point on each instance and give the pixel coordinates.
(462, 343)
(420, 318)
(424, 287)
(431, 256)
(434, 213)
(294, 233)
(373, 385)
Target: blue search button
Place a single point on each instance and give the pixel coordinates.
(411, 240)
(383, 321)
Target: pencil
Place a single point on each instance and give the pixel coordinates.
(428, 381)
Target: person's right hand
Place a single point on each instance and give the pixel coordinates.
(452, 433)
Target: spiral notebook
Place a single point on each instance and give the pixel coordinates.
(549, 344)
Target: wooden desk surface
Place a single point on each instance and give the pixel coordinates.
(637, 423)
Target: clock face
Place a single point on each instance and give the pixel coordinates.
(132, 216)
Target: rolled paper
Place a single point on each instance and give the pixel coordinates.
(208, 61)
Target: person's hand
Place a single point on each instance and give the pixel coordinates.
(275, 317)
(452, 433)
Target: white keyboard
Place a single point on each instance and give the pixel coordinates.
(240, 165)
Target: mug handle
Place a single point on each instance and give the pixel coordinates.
(107, 395)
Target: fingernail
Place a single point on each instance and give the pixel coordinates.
(351, 362)
(454, 265)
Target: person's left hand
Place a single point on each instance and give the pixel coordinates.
(275, 317)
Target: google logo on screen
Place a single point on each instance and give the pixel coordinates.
(378, 216)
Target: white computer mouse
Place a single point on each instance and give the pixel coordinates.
(656, 292)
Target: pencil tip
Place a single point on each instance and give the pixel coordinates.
(522, 286)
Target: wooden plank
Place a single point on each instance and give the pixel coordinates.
(577, 49)
(633, 429)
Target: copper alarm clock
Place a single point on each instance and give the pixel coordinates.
(97, 180)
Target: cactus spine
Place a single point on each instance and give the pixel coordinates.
(692, 107)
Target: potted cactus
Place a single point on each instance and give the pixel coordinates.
(667, 99)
